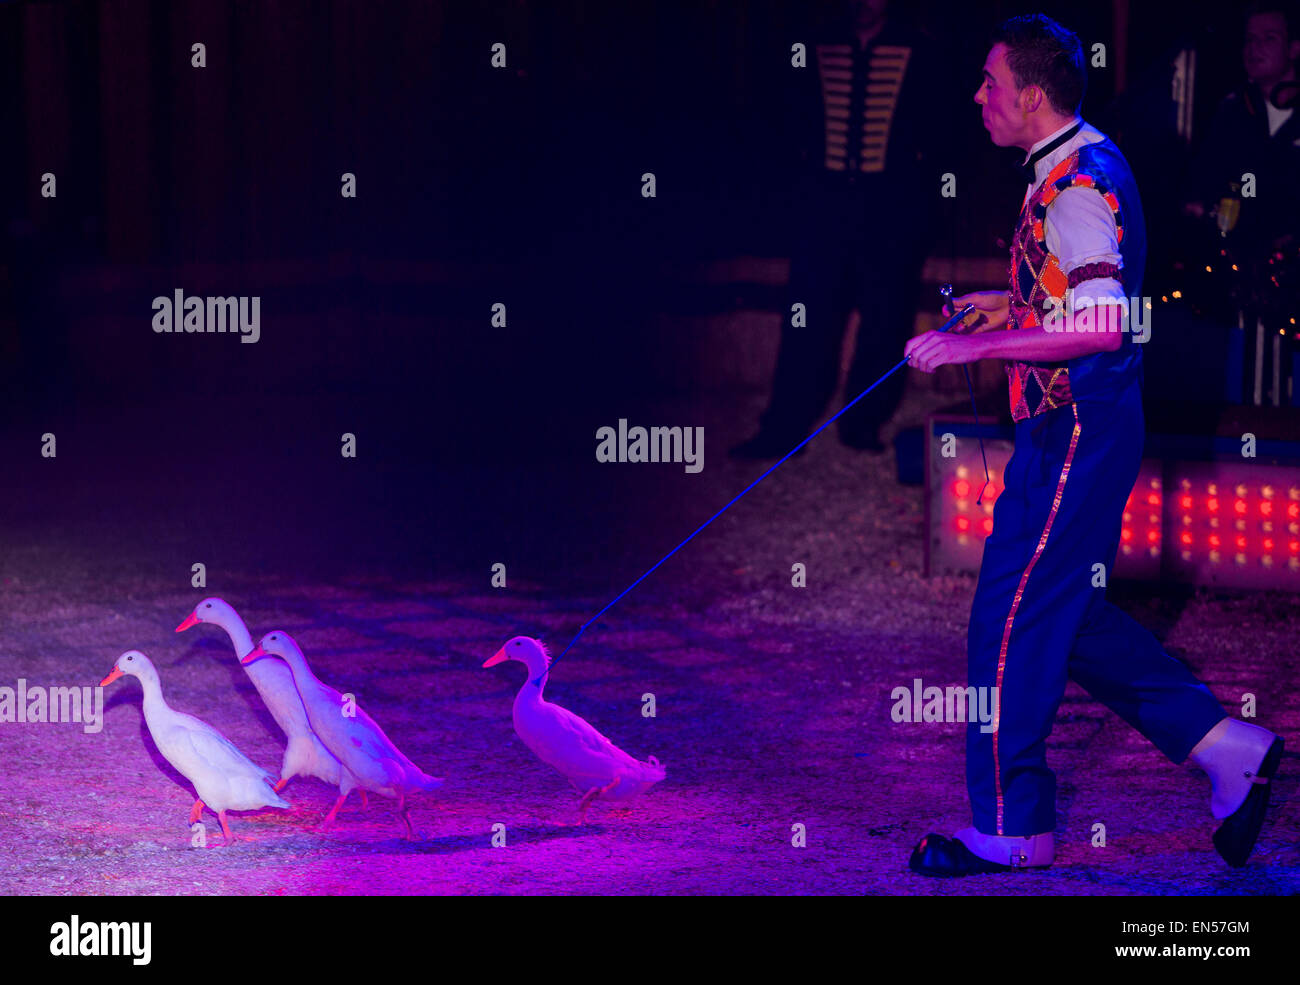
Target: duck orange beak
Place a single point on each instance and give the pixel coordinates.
(253, 654)
(113, 675)
(496, 658)
(191, 620)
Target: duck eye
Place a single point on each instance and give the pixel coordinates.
(129, 659)
(208, 605)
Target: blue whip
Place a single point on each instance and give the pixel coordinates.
(946, 326)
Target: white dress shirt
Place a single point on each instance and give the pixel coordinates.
(1080, 226)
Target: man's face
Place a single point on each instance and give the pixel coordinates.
(1002, 104)
(1267, 53)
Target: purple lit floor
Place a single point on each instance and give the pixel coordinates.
(773, 703)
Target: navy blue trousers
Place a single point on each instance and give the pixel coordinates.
(1037, 619)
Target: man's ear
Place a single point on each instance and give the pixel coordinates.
(1032, 97)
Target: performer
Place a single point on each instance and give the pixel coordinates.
(1078, 251)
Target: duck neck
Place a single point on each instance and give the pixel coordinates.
(298, 667)
(239, 637)
(153, 696)
(531, 692)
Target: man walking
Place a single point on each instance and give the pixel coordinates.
(1075, 380)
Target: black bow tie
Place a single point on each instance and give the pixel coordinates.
(1027, 169)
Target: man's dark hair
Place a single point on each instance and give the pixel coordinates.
(1040, 52)
(1283, 7)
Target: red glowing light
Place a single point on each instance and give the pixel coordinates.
(1126, 535)
(1186, 538)
(1214, 540)
(1154, 499)
(962, 488)
(1268, 543)
(1293, 510)
(1295, 546)
(1212, 504)
(987, 525)
(1239, 506)
(1266, 508)
(1186, 502)
(1153, 536)
(1241, 543)
(963, 524)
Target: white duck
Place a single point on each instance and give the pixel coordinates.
(224, 778)
(370, 760)
(304, 755)
(595, 766)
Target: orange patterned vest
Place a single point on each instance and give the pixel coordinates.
(1037, 280)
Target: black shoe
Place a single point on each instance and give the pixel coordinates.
(935, 855)
(766, 445)
(1237, 835)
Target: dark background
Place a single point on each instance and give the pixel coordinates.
(475, 185)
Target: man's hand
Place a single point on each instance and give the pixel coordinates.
(992, 308)
(934, 349)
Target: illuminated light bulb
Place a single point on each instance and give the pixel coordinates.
(1209, 269)
(1186, 483)
(1293, 493)
(1266, 508)
(1293, 511)
(1241, 490)
(1153, 518)
(963, 524)
(1126, 535)
(1266, 561)
(1240, 559)
(1153, 499)
(1240, 524)
(1212, 488)
(1294, 547)
(1186, 537)
(1186, 555)
(1234, 266)
(962, 488)
(1126, 549)
(962, 471)
(1187, 520)
(1267, 492)
(1164, 298)
(1239, 506)
(1153, 535)
(1185, 502)
(1127, 516)
(1155, 483)
(1177, 294)
(1154, 552)
(1214, 557)
(1241, 543)
(988, 526)
(1214, 521)
(1214, 540)
(1268, 543)
(1212, 504)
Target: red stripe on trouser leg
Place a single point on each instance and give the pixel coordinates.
(1015, 604)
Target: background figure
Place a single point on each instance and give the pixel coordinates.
(1255, 129)
(864, 208)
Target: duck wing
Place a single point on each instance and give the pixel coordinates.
(574, 746)
(218, 753)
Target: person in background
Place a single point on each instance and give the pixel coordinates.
(1256, 130)
(863, 212)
